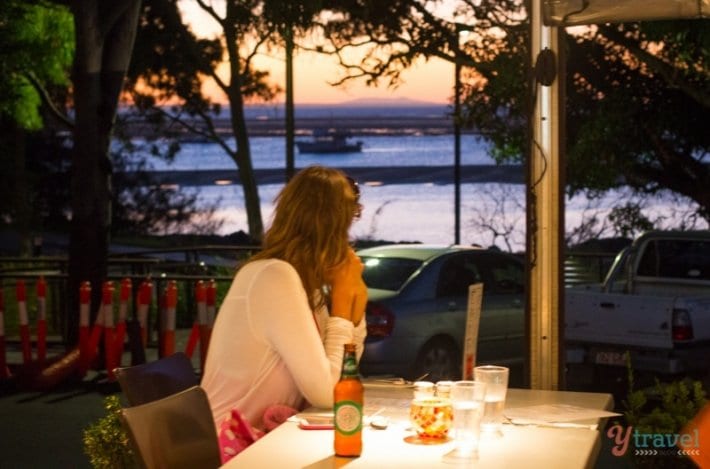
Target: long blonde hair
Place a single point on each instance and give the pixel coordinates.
(309, 230)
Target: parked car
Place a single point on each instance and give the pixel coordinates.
(417, 309)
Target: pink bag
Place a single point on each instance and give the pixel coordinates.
(235, 433)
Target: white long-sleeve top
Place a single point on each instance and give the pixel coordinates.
(266, 348)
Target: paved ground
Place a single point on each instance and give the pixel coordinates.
(40, 430)
(44, 429)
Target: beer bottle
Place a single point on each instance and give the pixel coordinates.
(348, 404)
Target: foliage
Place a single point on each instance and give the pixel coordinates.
(35, 56)
(138, 206)
(627, 219)
(664, 409)
(38, 47)
(106, 442)
(640, 114)
(171, 65)
(636, 98)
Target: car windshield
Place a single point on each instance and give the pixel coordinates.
(388, 273)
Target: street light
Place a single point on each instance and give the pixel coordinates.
(457, 150)
(461, 32)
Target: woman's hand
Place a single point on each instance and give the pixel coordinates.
(349, 293)
(359, 302)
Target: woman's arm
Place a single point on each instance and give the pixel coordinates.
(280, 313)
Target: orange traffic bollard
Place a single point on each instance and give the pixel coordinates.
(84, 309)
(4, 371)
(125, 295)
(109, 329)
(21, 295)
(169, 319)
(41, 319)
(145, 292)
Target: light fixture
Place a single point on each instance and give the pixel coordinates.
(546, 67)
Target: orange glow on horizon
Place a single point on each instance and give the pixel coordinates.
(430, 82)
(313, 73)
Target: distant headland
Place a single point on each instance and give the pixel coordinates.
(357, 117)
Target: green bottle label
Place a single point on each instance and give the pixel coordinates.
(349, 367)
(348, 417)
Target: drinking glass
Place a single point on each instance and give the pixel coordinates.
(467, 399)
(496, 379)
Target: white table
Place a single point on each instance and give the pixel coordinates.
(521, 446)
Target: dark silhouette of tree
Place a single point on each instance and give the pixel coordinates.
(637, 94)
(37, 45)
(174, 63)
(105, 33)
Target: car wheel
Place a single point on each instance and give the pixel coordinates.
(439, 359)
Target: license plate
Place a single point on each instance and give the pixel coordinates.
(611, 358)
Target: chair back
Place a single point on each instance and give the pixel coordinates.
(157, 379)
(174, 432)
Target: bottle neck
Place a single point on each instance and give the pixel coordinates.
(349, 369)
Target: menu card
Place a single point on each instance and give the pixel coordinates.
(546, 414)
(473, 318)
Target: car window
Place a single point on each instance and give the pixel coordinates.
(388, 273)
(456, 275)
(506, 276)
(670, 258)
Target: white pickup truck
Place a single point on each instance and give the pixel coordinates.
(654, 303)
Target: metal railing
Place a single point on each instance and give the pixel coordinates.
(184, 265)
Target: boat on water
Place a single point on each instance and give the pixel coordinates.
(329, 141)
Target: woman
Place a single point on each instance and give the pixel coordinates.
(278, 338)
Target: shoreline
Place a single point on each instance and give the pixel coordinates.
(305, 126)
(376, 176)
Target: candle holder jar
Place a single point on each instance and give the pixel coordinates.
(431, 417)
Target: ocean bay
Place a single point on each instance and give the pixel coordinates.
(416, 204)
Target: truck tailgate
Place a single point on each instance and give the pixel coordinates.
(634, 321)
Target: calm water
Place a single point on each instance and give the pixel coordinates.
(405, 212)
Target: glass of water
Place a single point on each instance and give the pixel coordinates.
(467, 399)
(496, 379)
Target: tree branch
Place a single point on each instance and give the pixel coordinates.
(211, 11)
(47, 100)
(668, 72)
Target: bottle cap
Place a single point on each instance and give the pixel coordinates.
(423, 389)
(443, 388)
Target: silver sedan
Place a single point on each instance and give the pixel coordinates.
(416, 312)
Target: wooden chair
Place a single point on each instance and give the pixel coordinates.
(157, 379)
(174, 432)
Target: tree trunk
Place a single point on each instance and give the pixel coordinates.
(104, 41)
(242, 156)
(20, 191)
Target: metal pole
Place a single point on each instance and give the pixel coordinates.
(290, 118)
(457, 152)
(545, 240)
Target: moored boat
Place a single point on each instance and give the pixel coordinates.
(329, 141)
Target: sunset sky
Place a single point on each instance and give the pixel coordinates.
(427, 81)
